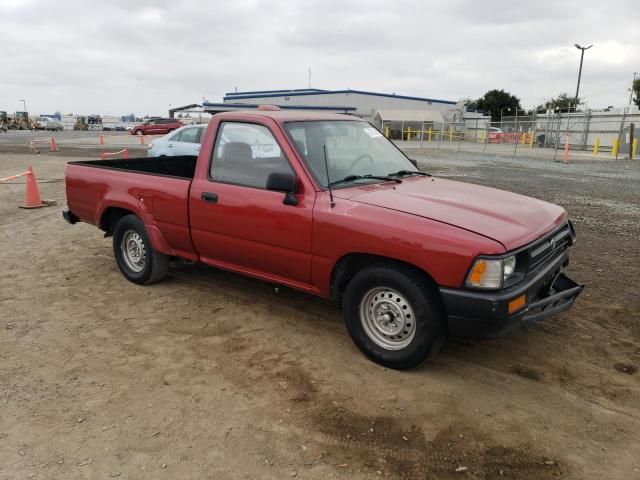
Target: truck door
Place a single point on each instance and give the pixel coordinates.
(236, 222)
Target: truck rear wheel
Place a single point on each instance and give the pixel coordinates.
(135, 256)
(393, 315)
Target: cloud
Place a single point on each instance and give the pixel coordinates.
(122, 56)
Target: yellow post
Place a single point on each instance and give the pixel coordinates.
(482, 136)
(596, 146)
(532, 136)
(429, 133)
(408, 133)
(450, 134)
(386, 132)
(634, 148)
(614, 148)
(523, 138)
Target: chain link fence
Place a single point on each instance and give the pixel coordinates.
(556, 136)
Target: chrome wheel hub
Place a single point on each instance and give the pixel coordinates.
(387, 318)
(133, 251)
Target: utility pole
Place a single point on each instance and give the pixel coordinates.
(309, 77)
(580, 70)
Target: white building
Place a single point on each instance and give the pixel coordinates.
(356, 102)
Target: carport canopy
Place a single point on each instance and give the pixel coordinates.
(420, 116)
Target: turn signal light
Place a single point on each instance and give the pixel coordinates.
(517, 303)
(477, 273)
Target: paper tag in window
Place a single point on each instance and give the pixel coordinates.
(372, 132)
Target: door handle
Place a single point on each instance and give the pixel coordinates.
(209, 197)
(170, 145)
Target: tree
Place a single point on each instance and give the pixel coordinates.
(561, 103)
(470, 103)
(636, 92)
(495, 101)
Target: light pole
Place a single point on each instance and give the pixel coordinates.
(24, 105)
(582, 49)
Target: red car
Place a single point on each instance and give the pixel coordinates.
(156, 126)
(325, 204)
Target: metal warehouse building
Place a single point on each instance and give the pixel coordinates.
(386, 110)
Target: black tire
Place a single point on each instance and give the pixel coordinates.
(155, 265)
(138, 132)
(418, 295)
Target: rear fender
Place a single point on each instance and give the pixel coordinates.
(158, 241)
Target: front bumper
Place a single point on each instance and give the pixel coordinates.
(471, 313)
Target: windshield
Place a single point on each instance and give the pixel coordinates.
(354, 149)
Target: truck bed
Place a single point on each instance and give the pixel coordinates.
(156, 189)
(180, 166)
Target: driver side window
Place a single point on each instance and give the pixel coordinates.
(246, 154)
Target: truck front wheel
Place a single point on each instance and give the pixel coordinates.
(393, 315)
(135, 256)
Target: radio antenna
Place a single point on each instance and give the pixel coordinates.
(326, 167)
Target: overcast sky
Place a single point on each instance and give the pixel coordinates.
(122, 56)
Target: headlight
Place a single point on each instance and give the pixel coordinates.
(509, 264)
(490, 273)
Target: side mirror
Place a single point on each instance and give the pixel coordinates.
(283, 182)
(414, 162)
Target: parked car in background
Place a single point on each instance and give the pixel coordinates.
(156, 126)
(495, 135)
(46, 123)
(184, 141)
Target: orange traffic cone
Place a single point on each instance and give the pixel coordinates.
(101, 140)
(125, 154)
(103, 156)
(32, 193)
(141, 139)
(53, 145)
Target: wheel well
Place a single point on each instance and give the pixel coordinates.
(110, 217)
(347, 266)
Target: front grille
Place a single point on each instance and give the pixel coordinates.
(549, 248)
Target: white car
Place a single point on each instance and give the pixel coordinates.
(45, 123)
(183, 141)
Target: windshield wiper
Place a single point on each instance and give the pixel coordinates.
(402, 173)
(351, 178)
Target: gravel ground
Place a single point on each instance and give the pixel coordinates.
(211, 375)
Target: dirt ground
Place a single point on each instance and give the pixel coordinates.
(209, 375)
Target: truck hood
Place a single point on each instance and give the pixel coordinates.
(508, 218)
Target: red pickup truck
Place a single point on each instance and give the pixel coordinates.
(325, 204)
